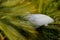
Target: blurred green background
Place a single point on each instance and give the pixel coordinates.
(13, 26)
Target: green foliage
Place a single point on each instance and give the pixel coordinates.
(14, 26)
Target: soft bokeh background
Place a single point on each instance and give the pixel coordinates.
(13, 26)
